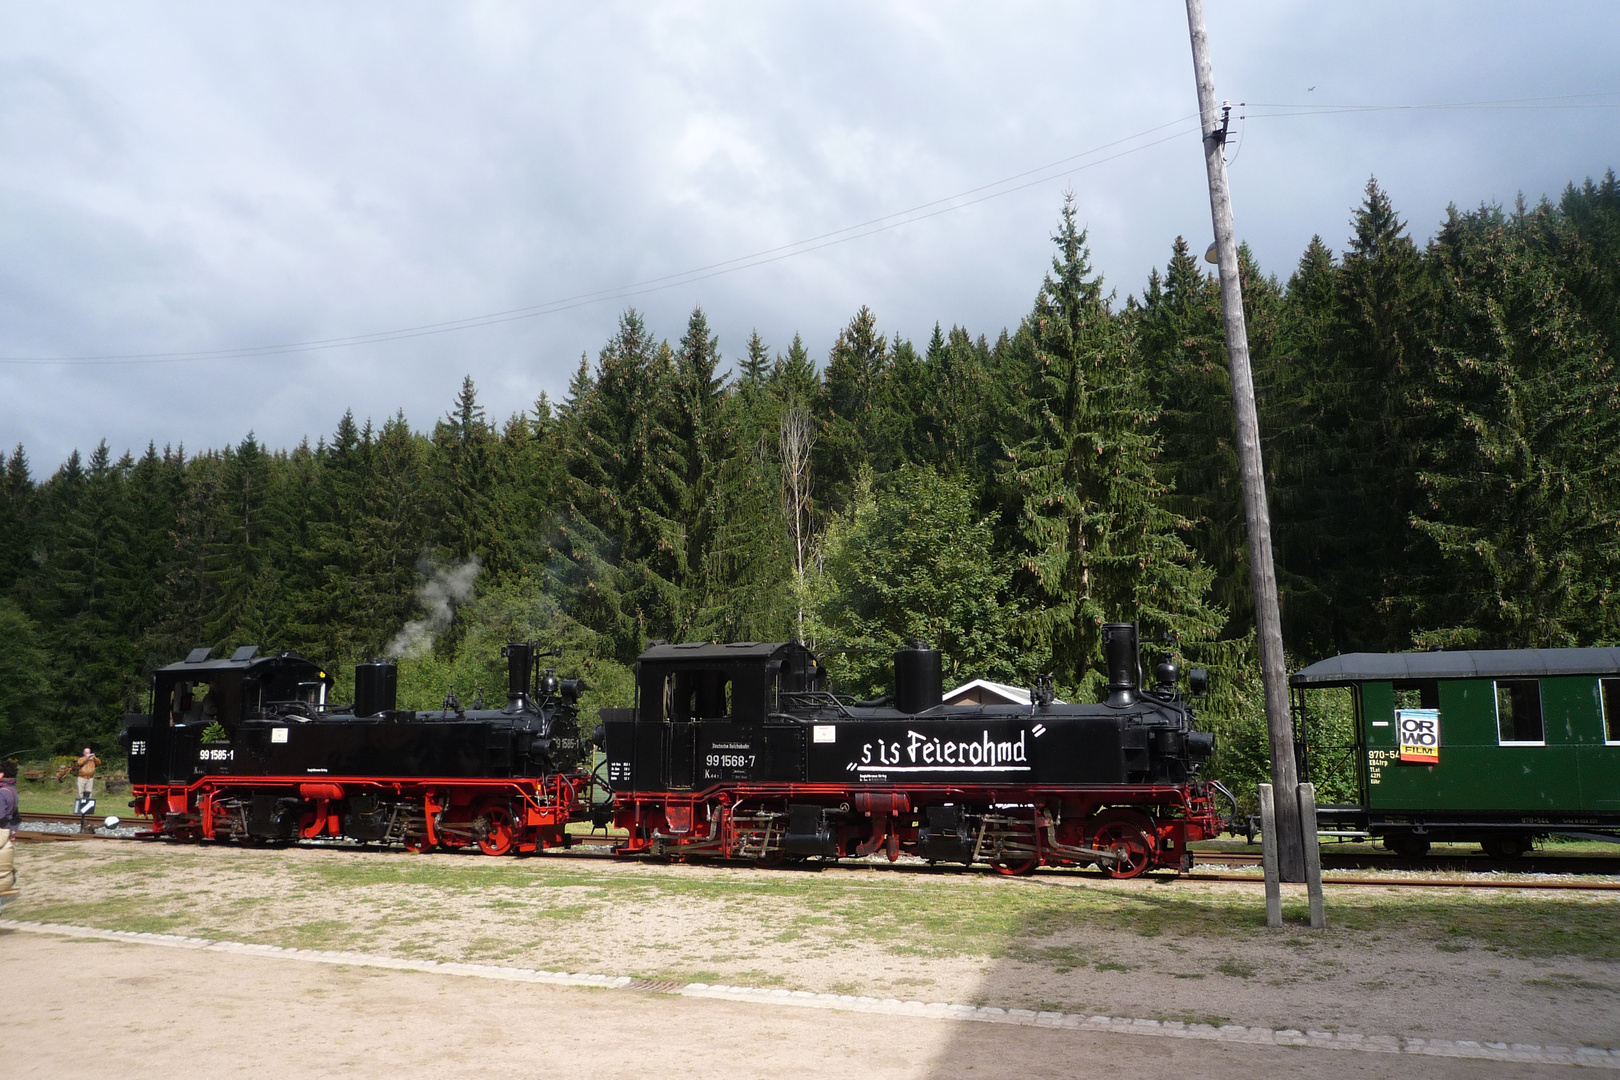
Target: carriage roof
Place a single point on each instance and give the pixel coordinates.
(1460, 664)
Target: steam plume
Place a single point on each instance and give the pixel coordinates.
(446, 588)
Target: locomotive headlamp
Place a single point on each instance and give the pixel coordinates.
(1198, 681)
(1200, 745)
(1167, 673)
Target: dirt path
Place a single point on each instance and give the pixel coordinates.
(223, 1016)
(1412, 963)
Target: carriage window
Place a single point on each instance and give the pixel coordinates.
(1518, 712)
(1611, 709)
(1417, 694)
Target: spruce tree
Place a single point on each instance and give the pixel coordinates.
(913, 559)
(1520, 415)
(1380, 322)
(1183, 341)
(621, 548)
(701, 429)
(95, 660)
(852, 409)
(461, 478)
(1098, 542)
(240, 560)
(755, 366)
(17, 519)
(794, 376)
(1300, 424)
(956, 423)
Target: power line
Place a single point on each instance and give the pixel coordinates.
(995, 189)
(1558, 101)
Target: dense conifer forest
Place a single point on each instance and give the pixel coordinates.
(1442, 438)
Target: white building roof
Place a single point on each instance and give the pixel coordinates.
(986, 692)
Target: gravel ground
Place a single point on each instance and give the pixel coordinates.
(64, 828)
(225, 1016)
(1390, 962)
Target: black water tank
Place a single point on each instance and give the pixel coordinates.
(376, 687)
(1120, 651)
(918, 682)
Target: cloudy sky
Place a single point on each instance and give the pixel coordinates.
(186, 188)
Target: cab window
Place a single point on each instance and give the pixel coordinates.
(193, 703)
(697, 695)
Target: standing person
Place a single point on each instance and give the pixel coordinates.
(85, 770)
(10, 818)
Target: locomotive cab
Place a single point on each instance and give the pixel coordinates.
(707, 713)
(165, 744)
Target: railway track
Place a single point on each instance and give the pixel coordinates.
(1467, 864)
(1575, 871)
(1576, 883)
(86, 825)
(90, 820)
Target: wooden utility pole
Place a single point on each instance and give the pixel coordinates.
(1284, 773)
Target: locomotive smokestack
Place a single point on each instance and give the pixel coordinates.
(519, 667)
(376, 687)
(1120, 651)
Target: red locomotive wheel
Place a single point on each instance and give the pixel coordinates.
(498, 831)
(417, 843)
(1128, 834)
(1014, 867)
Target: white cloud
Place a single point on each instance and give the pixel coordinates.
(200, 177)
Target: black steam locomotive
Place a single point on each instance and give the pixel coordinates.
(739, 751)
(248, 748)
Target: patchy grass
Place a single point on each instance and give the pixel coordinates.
(410, 905)
(49, 797)
(1212, 1019)
(1560, 980)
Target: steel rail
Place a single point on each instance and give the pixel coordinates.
(1415, 883)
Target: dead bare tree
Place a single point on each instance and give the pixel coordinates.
(798, 438)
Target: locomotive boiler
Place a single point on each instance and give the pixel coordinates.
(739, 751)
(248, 748)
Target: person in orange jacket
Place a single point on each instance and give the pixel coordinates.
(85, 770)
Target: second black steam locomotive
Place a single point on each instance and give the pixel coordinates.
(739, 751)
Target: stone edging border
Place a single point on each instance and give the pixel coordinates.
(1529, 1053)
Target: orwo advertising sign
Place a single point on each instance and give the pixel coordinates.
(1420, 735)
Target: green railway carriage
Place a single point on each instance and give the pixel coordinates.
(1496, 747)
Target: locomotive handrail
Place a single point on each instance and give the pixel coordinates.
(815, 697)
(1231, 798)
